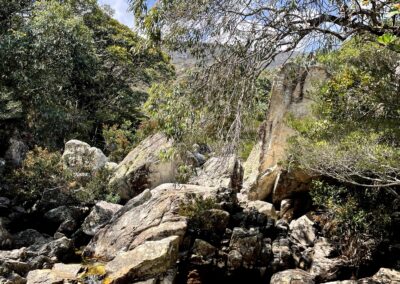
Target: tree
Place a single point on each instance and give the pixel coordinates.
(236, 40)
(353, 136)
(68, 64)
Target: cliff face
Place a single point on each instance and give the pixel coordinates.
(291, 96)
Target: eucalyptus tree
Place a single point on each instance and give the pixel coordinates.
(235, 40)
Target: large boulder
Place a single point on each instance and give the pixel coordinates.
(100, 215)
(151, 258)
(292, 276)
(66, 218)
(302, 231)
(82, 159)
(150, 164)
(152, 215)
(60, 273)
(290, 97)
(220, 172)
(326, 267)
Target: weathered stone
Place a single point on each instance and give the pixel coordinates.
(203, 249)
(144, 167)
(282, 256)
(29, 237)
(290, 95)
(12, 278)
(220, 172)
(248, 244)
(61, 249)
(67, 217)
(5, 203)
(292, 276)
(263, 207)
(152, 215)
(302, 231)
(82, 159)
(383, 276)
(235, 260)
(149, 259)
(60, 273)
(324, 267)
(100, 215)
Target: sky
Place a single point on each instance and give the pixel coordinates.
(121, 10)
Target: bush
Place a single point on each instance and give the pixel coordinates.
(119, 140)
(98, 188)
(40, 170)
(195, 210)
(358, 219)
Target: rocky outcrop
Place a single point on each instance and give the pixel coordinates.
(100, 215)
(290, 98)
(81, 159)
(150, 164)
(152, 215)
(220, 172)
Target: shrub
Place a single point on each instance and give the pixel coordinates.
(119, 140)
(195, 210)
(355, 217)
(40, 170)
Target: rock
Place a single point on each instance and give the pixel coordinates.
(111, 166)
(100, 215)
(324, 267)
(215, 220)
(282, 256)
(235, 260)
(292, 276)
(291, 95)
(383, 276)
(6, 240)
(59, 250)
(263, 207)
(82, 159)
(68, 218)
(13, 278)
(220, 172)
(61, 273)
(302, 231)
(16, 152)
(203, 249)
(152, 215)
(149, 259)
(248, 244)
(144, 167)
(56, 197)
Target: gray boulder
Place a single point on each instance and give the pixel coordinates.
(151, 258)
(220, 172)
(81, 159)
(152, 215)
(100, 215)
(150, 164)
(302, 231)
(292, 276)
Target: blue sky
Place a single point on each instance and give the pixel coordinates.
(121, 10)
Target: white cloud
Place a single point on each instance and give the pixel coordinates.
(121, 11)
